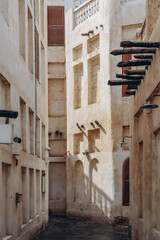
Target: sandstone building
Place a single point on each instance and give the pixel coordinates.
(24, 89)
(57, 107)
(145, 145)
(70, 118)
(97, 115)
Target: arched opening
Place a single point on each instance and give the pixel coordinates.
(93, 172)
(79, 189)
(126, 182)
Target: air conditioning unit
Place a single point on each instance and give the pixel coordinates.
(6, 134)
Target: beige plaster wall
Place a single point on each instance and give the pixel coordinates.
(145, 141)
(57, 122)
(25, 219)
(95, 158)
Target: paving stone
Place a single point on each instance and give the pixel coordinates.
(63, 228)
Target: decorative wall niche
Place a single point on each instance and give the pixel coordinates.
(78, 140)
(93, 140)
(93, 44)
(79, 187)
(93, 79)
(78, 76)
(77, 52)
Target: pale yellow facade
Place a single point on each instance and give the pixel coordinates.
(145, 144)
(71, 123)
(97, 115)
(57, 124)
(23, 167)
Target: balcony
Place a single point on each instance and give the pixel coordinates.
(85, 11)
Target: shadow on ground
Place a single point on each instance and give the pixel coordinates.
(63, 228)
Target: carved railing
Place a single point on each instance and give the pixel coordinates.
(85, 11)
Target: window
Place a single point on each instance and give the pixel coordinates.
(55, 26)
(4, 9)
(30, 41)
(31, 130)
(22, 28)
(126, 182)
(93, 79)
(126, 57)
(43, 141)
(23, 123)
(78, 79)
(4, 96)
(42, 70)
(37, 54)
(38, 137)
(42, 17)
(24, 195)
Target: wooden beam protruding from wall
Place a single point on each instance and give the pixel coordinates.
(134, 63)
(140, 44)
(132, 51)
(123, 82)
(135, 72)
(132, 87)
(125, 76)
(143, 56)
(130, 92)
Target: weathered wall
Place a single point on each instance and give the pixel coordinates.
(22, 171)
(95, 159)
(57, 122)
(145, 140)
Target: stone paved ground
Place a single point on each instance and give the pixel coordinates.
(61, 228)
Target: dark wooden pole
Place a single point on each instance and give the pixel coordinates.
(123, 82)
(138, 77)
(140, 44)
(130, 92)
(143, 56)
(132, 87)
(133, 63)
(135, 72)
(8, 114)
(132, 51)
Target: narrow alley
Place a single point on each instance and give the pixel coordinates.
(62, 228)
(79, 119)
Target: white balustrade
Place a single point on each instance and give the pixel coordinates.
(85, 11)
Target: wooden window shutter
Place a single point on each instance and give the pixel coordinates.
(56, 26)
(37, 54)
(126, 57)
(126, 182)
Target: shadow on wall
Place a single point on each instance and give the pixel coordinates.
(88, 198)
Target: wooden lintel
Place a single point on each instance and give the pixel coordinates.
(125, 76)
(130, 92)
(135, 72)
(123, 82)
(133, 63)
(132, 51)
(140, 44)
(143, 56)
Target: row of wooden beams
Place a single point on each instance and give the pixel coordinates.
(123, 82)
(143, 56)
(132, 51)
(130, 92)
(129, 77)
(140, 44)
(133, 63)
(135, 72)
